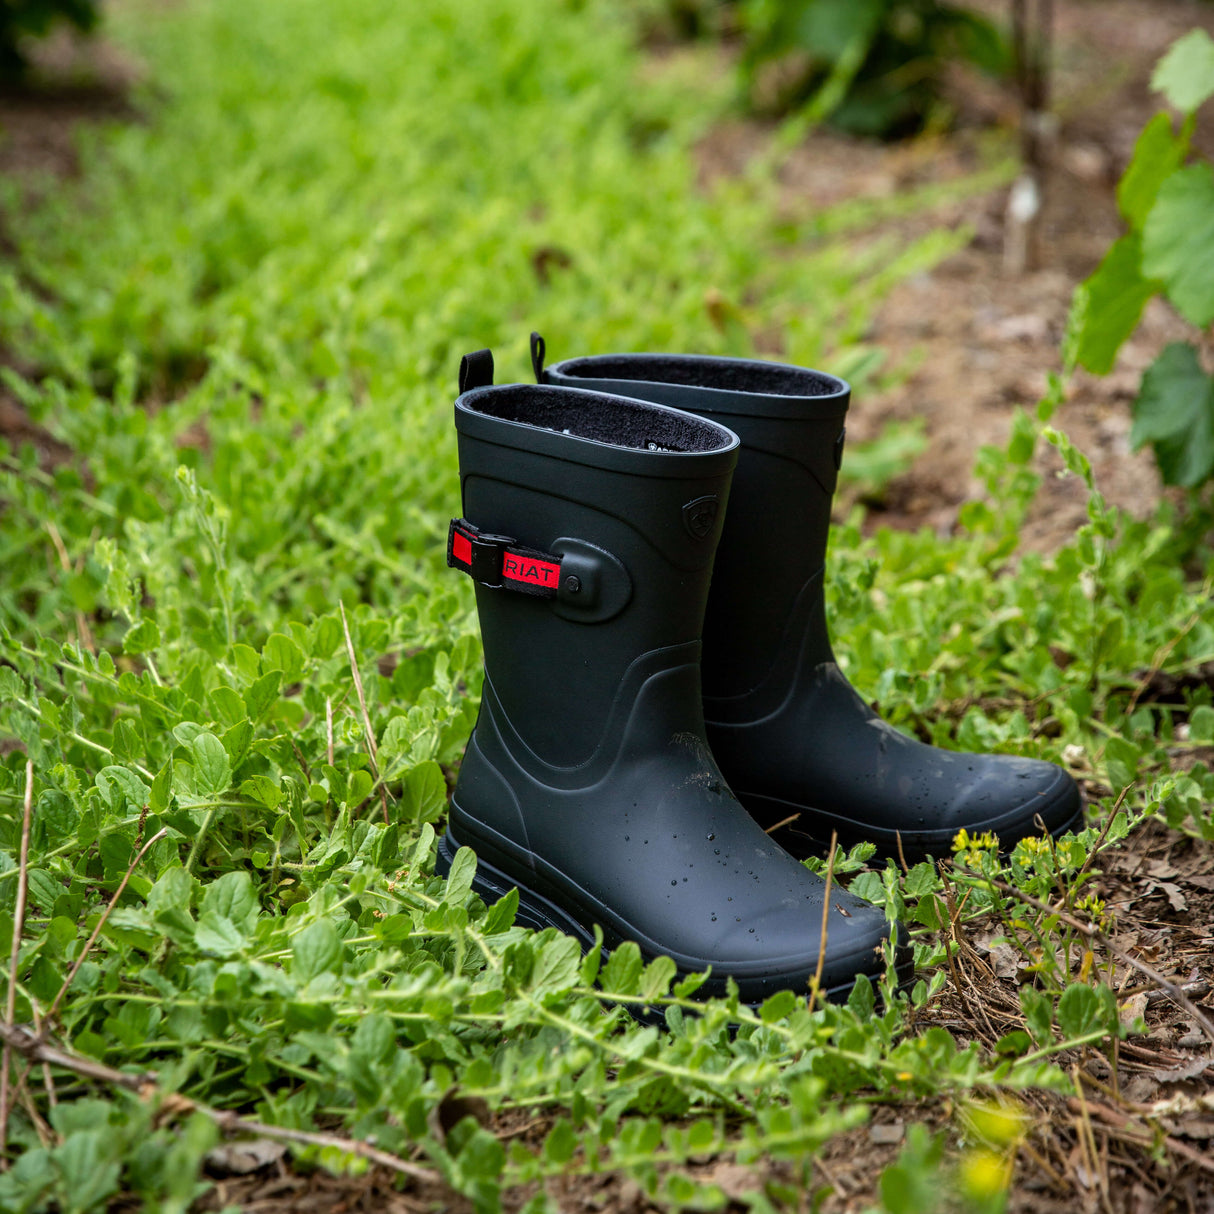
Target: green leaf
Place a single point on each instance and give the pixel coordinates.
(315, 950)
(556, 967)
(236, 742)
(622, 973)
(862, 1000)
(245, 659)
(459, 879)
(128, 742)
(1178, 242)
(1038, 1015)
(359, 788)
(1185, 75)
(1158, 153)
(659, 974)
(171, 894)
(1079, 1011)
(262, 693)
(89, 1174)
(213, 771)
(424, 793)
(1175, 412)
(593, 959)
(122, 789)
(1014, 1044)
(143, 637)
(232, 896)
(1201, 724)
(217, 934)
(263, 789)
(828, 31)
(777, 1006)
(561, 1142)
(162, 789)
(423, 849)
(501, 914)
(227, 705)
(284, 655)
(44, 890)
(1114, 297)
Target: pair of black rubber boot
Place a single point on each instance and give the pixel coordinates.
(626, 774)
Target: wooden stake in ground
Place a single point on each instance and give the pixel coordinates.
(1032, 47)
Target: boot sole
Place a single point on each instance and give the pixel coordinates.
(814, 838)
(537, 912)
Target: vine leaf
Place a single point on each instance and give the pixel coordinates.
(1175, 413)
(1185, 75)
(1178, 242)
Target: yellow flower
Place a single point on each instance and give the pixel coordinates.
(984, 1174)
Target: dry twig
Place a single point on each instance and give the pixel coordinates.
(372, 749)
(67, 982)
(28, 1044)
(1095, 934)
(816, 981)
(1125, 1127)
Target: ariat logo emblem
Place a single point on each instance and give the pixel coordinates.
(699, 516)
(526, 569)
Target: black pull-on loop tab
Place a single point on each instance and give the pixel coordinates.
(537, 356)
(475, 370)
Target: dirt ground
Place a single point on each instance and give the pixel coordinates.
(974, 341)
(981, 339)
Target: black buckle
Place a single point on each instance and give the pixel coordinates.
(478, 553)
(488, 553)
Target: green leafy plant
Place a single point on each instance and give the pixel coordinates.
(871, 68)
(1166, 197)
(24, 19)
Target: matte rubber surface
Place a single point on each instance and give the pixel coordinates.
(537, 912)
(587, 781)
(790, 734)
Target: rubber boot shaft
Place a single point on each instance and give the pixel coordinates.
(588, 781)
(793, 737)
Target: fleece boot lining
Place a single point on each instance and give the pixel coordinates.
(728, 374)
(605, 419)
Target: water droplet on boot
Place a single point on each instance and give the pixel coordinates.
(674, 882)
(711, 836)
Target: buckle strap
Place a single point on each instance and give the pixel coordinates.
(501, 562)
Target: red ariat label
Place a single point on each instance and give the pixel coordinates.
(461, 548)
(527, 569)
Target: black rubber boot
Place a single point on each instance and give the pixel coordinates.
(590, 524)
(795, 741)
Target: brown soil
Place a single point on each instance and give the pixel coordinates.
(73, 82)
(982, 340)
(973, 341)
